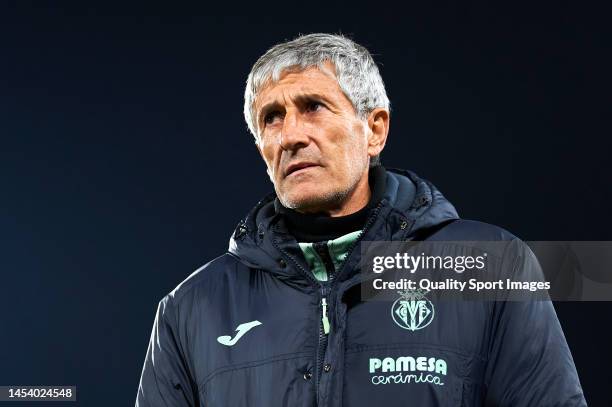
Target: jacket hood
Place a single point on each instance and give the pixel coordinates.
(410, 206)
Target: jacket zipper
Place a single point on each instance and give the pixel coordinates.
(323, 326)
(324, 290)
(324, 329)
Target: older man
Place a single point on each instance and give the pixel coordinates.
(276, 321)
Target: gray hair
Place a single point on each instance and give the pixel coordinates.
(357, 73)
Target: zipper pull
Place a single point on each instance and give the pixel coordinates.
(324, 316)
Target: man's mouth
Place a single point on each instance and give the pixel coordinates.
(293, 168)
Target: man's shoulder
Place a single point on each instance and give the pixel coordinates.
(494, 240)
(466, 229)
(207, 278)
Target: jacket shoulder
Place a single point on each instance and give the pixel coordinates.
(205, 278)
(495, 240)
(465, 229)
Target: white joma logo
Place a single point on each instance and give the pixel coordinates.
(241, 330)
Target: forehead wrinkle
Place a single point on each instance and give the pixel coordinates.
(301, 94)
(297, 91)
(327, 69)
(280, 99)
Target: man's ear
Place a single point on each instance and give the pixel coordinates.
(259, 147)
(262, 157)
(378, 123)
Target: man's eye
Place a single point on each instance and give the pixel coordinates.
(270, 117)
(314, 106)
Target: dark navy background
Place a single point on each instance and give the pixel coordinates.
(125, 162)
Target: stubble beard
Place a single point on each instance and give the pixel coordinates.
(321, 202)
(318, 203)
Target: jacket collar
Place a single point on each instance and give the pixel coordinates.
(410, 205)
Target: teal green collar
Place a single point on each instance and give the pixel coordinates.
(338, 250)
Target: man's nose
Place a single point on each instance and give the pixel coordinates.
(294, 133)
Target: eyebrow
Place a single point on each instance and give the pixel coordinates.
(267, 108)
(300, 99)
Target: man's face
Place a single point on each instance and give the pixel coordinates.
(313, 143)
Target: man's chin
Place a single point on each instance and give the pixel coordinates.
(305, 202)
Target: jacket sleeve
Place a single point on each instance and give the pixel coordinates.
(529, 361)
(166, 379)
